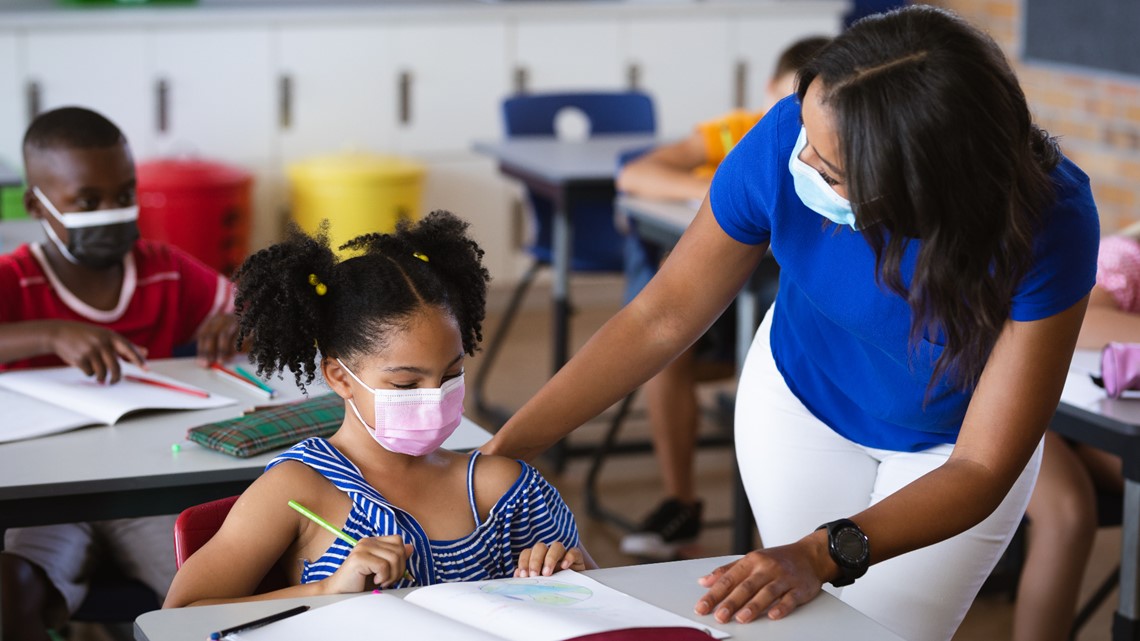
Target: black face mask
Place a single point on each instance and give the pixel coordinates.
(102, 246)
(97, 246)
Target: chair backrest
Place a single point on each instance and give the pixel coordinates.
(197, 524)
(618, 112)
(597, 244)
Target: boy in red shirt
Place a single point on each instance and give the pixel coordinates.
(90, 295)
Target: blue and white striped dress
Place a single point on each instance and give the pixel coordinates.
(531, 511)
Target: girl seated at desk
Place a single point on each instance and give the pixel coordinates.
(392, 326)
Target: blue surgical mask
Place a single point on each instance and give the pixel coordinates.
(815, 193)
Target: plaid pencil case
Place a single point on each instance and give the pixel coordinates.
(272, 428)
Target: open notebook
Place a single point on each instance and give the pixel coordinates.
(38, 402)
(564, 606)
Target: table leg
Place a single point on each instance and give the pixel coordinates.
(1126, 622)
(3, 531)
(747, 320)
(562, 241)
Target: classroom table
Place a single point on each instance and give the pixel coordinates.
(661, 223)
(671, 586)
(563, 171)
(130, 469)
(1085, 414)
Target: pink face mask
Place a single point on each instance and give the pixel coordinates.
(413, 421)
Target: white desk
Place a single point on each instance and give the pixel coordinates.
(563, 171)
(130, 470)
(1087, 415)
(671, 586)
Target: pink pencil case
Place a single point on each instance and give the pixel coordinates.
(1120, 368)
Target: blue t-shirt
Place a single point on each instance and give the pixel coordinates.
(841, 340)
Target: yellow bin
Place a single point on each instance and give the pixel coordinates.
(359, 193)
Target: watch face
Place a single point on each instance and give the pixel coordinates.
(851, 545)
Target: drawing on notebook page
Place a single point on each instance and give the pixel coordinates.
(541, 591)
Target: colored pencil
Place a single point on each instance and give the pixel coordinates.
(170, 386)
(245, 383)
(254, 379)
(335, 530)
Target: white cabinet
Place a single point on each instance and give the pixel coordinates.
(339, 89)
(685, 65)
(451, 80)
(569, 55)
(105, 70)
(759, 42)
(213, 89)
(13, 111)
(213, 95)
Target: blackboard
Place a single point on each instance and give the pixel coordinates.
(1100, 34)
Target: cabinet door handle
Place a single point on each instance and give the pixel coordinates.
(162, 103)
(740, 84)
(521, 79)
(285, 101)
(32, 95)
(633, 76)
(405, 94)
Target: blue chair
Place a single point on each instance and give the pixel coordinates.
(597, 246)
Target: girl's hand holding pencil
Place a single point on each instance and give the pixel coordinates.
(381, 559)
(376, 561)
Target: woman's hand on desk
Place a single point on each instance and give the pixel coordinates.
(774, 581)
(94, 350)
(375, 560)
(216, 338)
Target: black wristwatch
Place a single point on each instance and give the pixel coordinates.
(849, 549)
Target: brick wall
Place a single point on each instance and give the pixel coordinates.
(1095, 114)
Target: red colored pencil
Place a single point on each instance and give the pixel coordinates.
(165, 385)
(246, 384)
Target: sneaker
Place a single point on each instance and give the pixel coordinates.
(671, 526)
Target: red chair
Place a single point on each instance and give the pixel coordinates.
(196, 525)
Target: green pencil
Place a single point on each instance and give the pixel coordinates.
(255, 380)
(335, 530)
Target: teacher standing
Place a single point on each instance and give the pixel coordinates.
(936, 254)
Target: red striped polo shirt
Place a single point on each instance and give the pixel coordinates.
(166, 295)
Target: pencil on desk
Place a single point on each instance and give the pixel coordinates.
(255, 380)
(170, 386)
(335, 530)
(245, 383)
(273, 618)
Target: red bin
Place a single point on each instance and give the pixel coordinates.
(200, 206)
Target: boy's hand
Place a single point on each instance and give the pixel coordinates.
(216, 338)
(543, 560)
(94, 350)
(381, 559)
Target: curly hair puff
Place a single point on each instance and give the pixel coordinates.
(288, 322)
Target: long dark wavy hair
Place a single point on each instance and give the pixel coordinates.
(289, 322)
(938, 144)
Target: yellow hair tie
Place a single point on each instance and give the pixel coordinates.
(320, 287)
(420, 256)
